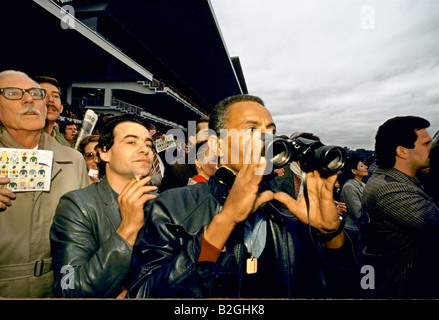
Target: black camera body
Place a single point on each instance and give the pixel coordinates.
(313, 155)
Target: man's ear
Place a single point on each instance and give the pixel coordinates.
(401, 152)
(103, 154)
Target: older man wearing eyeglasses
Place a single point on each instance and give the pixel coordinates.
(26, 217)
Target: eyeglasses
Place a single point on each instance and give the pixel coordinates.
(12, 93)
(91, 156)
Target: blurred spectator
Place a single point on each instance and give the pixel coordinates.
(68, 130)
(25, 256)
(205, 164)
(158, 169)
(53, 105)
(178, 173)
(87, 147)
(371, 164)
(201, 132)
(351, 192)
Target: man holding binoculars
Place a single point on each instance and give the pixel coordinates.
(230, 237)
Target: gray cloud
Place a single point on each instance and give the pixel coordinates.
(319, 70)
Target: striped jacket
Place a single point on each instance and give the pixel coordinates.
(401, 236)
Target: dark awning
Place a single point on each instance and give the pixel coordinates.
(176, 42)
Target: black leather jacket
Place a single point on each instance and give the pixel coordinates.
(165, 256)
(84, 238)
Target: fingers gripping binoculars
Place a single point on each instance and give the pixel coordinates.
(279, 151)
(311, 154)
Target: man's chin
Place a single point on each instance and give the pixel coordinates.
(52, 116)
(140, 173)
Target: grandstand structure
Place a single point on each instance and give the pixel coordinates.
(165, 60)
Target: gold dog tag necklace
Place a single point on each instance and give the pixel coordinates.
(252, 262)
(255, 235)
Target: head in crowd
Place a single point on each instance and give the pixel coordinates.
(397, 137)
(202, 126)
(240, 113)
(125, 147)
(204, 165)
(87, 147)
(355, 167)
(201, 132)
(152, 129)
(22, 107)
(52, 100)
(306, 135)
(68, 129)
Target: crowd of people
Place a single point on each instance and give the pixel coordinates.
(122, 221)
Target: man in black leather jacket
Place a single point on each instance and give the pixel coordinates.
(219, 239)
(94, 228)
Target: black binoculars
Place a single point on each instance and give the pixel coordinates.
(313, 155)
(278, 151)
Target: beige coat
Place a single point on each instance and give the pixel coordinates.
(24, 226)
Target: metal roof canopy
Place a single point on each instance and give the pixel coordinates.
(38, 45)
(179, 41)
(180, 44)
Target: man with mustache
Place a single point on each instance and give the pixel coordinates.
(25, 217)
(54, 106)
(94, 229)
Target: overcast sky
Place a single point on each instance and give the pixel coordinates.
(337, 69)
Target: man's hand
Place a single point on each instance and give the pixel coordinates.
(341, 207)
(280, 172)
(131, 202)
(323, 213)
(244, 197)
(5, 194)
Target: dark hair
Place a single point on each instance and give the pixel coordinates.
(351, 164)
(45, 79)
(201, 120)
(62, 126)
(397, 131)
(106, 138)
(84, 142)
(151, 126)
(306, 135)
(218, 116)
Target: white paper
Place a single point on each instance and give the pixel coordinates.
(29, 170)
(88, 124)
(167, 143)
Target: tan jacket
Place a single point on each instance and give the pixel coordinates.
(25, 226)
